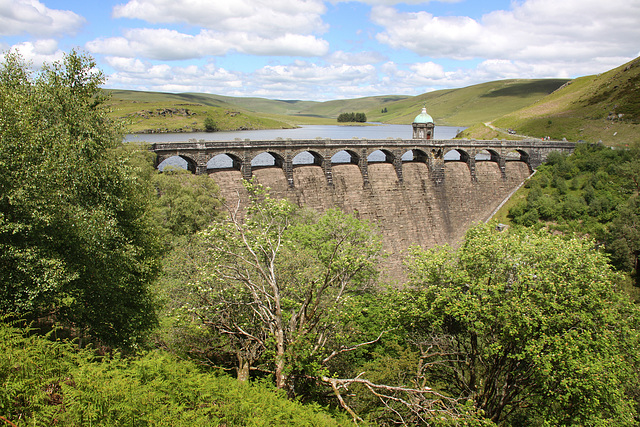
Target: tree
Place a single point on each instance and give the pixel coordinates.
(272, 281)
(210, 125)
(531, 327)
(352, 117)
(624, 238)
(77, 242)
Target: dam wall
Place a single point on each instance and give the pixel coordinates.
(423, 209)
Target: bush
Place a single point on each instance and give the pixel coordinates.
(47, 382)
(352, 117)
(210, 125)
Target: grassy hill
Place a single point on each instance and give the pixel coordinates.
(603, 107)
(469, 105)
(156, 112)
(166, 112)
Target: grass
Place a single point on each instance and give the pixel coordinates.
(149, 112)
(454, 107)
(603, 107)
(471, 105)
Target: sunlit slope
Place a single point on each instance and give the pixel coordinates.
(469, 105)
(602, 107)
(158, 112)
(454, 107)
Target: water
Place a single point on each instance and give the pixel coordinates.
(304, 132)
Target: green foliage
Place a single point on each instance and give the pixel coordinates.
(270, 287)
(531, 327)
(624, 239)
(589, 193)
(52, 383)
(185, 203)
(210, 125)
(352, 117)
(76, 239)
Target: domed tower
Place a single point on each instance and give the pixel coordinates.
(423, 125)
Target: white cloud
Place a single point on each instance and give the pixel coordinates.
(355, 58)
(265, 18)
(140, 75)
(429, 70)
(297, 80)
(164, 44)
(394, 2)
(39, 52)
(32, 17)
(545, 33)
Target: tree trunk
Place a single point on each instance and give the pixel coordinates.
(243, 369)
(280, 377)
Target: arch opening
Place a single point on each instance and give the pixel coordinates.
(456, 155)
(487, 156)
(380, 156)
(345, 157)
(224, 162)
(267, 159)
(417, 156)
(177, 162)
(517, 156)
(307, 158)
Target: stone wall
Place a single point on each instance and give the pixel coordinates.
(414, 212)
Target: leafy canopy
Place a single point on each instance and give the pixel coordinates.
(271, 283)
(76, 240)
(532, 327)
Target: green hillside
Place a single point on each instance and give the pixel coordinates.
(332, 109)
(469, 105)
(156, 112)
(603, 107)
(165, 112)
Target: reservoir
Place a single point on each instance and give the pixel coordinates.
(381, 131)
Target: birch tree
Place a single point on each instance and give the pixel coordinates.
(274, 278)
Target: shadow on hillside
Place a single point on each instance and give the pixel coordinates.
(526, 89)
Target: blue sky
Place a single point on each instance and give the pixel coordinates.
(322, 50)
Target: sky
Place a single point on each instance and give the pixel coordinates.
(322, 50)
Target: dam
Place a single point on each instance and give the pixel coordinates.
(422, 192)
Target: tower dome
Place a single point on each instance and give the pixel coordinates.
(423, 125)
(423, 117)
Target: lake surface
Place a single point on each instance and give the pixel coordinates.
(303, 132)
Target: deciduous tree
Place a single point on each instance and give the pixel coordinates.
(76, 240)
(273, 280)
(532, 327)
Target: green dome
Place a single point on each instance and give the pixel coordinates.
(423, 117)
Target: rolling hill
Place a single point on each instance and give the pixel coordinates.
(603, 107)
(470, 105)
(164, 112)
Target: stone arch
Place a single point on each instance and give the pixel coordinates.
(415, 155)
(381, 156)
(267, 159)
(177, 160)
(307, 158)
(224, 161)
(345, 157)
(487, 155)
(456, 155)
(518, 155)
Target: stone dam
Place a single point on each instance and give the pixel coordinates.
(417, 192)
